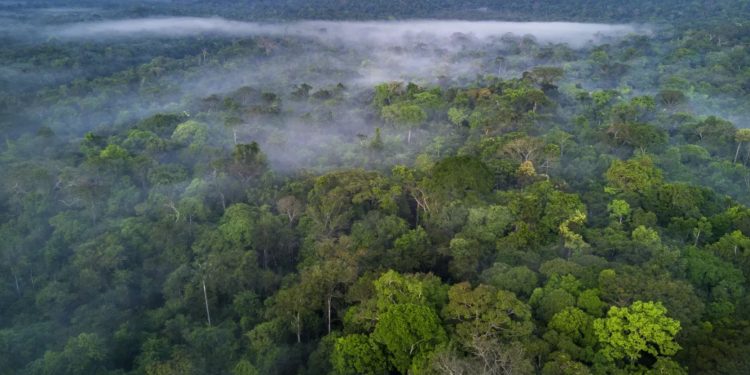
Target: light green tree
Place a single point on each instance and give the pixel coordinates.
(643, 327)
(457, 116)
(619, 209)
(573, 241)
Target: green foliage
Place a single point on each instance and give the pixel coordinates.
(486, 313)
(459, 178)
(191, 133)
(520, 280)
(549, 301)
(571, 331)
(244, 367)
(627, 332)
(619, 209)
(409, 332)
(457, 116)
(518, 234)
(358, 354)
(84, 353)
(634, 175)
(572, 240)
(393, 288)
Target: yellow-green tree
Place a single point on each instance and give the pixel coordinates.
(629, 332)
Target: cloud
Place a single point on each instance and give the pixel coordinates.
(371, 33)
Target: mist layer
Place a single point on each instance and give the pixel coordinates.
(377, 33)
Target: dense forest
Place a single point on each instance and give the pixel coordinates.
(373, 187)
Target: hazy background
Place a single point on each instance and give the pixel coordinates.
(323, 54)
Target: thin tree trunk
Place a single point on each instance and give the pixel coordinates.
(329, 314)
(408, 137)
(18, 286)
(299, 329)
(205, 299)
(737, 153)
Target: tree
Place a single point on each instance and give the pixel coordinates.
(486, 313)
(671, 98)
(524, 149)
(408, 180)
(717, 280)
(742, 135)
(466, 255)
(237, 224)
(628, 332)
(519, 280)
(619, 209)
(524, 100)
(407, 115)
(338, 197)
(713, 133)
(735, 247)
(83, 354)
(377, 140)
(266, 345)
(409, 332)
(358, 354)
(635, 175)
(702, 228)
(393, 288)
(290, 206)
(562, 364)
(458, 116)
(301, 91)
(571, 331)
(378, 295)
(244, 367)
(641, 137)
(328, 279)
(549, 301)
(485, 357)
(546, 76)
(457, 177)
(291, 305)
(573, 241)
(573, 322)
(412, 251)
(248, 162)
(387, 93)
(192, 134)
(634, 111)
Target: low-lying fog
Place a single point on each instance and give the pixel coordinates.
(375, 33)
(320, 53)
